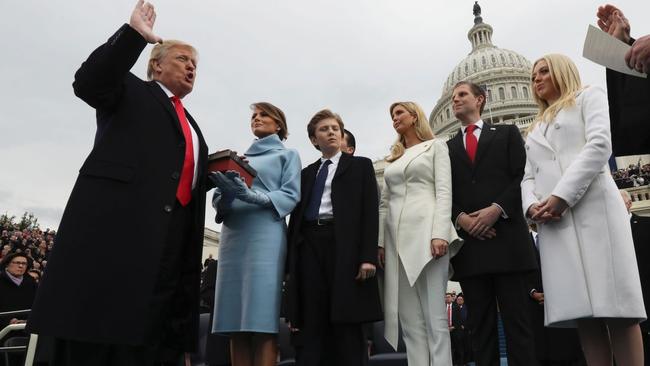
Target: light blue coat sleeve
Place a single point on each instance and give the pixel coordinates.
(286, 197)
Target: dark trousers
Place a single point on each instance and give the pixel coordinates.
(322, 342)
(507, 293)
(641, 236)
(75, 353)
(169, 309)
(460, 346)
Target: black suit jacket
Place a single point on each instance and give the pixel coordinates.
(495, 177)
(459, 317)
(356, 217)
(120, 209)
(629, 108)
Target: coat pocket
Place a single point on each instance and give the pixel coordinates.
(108, 169)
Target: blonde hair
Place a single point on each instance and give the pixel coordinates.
(422, 129)
(566, 79)
(160, 50)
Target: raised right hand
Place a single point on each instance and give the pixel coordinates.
(142, 20)
(612, 21)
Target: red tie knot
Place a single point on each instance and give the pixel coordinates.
(470, 129)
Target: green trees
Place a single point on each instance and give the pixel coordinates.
(27, 221)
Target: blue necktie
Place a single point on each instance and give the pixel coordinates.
(311, 213)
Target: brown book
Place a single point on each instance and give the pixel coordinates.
(224, 160)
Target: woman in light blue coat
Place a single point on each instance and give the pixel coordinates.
(253, 240)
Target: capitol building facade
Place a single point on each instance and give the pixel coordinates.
(503, 74)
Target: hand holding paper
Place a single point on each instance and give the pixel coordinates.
(610, 52)
(638, 57)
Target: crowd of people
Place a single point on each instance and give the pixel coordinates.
(632, 176)
(34, 243)
(456, 209)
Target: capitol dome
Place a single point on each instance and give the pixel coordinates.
(504, 74)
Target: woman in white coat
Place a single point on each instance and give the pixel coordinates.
(415, 230)
(588, 264)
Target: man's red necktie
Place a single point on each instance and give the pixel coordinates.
(471, 142)
(184, 190)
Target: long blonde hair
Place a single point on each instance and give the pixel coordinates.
(565, 78)
(422, 129)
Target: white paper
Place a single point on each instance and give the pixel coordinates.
(609, 51)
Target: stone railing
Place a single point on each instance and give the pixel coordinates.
(522, 122)
(640, 199)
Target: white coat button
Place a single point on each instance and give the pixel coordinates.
(536, 170)
(557, 126)
(527, 147)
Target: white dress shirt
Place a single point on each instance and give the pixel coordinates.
(326, 211)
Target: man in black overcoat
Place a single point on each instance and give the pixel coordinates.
(487, 165)
(641, 236)
(139, 201)
(332, 288)
(629, 96)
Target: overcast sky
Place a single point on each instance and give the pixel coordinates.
(353, 56)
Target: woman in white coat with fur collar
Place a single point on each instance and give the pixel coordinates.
(587, 256)
(416, 238)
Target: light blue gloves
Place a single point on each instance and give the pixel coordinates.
(231, 185)
(221, 199)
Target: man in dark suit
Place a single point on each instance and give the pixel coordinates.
(139, 200)
(487, 165)
(641, 235)
(348, 143)
(333, 252)
(460, 333)
(629, 96)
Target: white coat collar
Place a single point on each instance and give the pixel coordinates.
(415, 151)
(537, 135)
